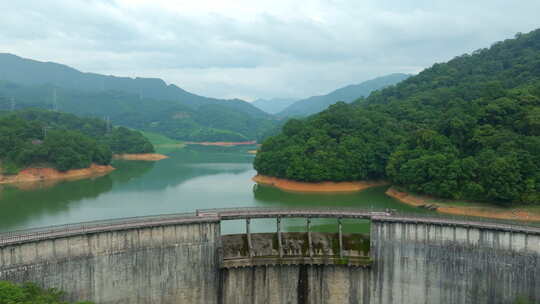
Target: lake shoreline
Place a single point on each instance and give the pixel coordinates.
(32, 175)
(295, 186)
(476, 209)
(141, 156)
(222, 143)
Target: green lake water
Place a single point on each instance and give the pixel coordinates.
(192, 178)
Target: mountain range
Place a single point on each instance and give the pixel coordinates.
(347, 94)
(151, 104)
(145, 103)
(273, 105)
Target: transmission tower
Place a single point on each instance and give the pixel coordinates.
(45, 128)
(108, 121)
(55, 101)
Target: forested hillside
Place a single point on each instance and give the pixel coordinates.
(143, 103)
(62, 141)
(347, 94)
(205, 123)
(467, 129)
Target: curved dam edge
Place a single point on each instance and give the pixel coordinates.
(176, 263)
(295, 186)
(175, 259)
(413, 263)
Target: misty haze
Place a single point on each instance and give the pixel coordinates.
(273, 152)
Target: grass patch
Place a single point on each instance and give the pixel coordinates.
(162, 143)
(160, 140)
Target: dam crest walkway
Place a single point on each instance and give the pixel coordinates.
(248, 213)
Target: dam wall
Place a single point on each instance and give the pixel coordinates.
(173, 263)
(181, 259)
(301, 284)
(414, 261)
(433, 262)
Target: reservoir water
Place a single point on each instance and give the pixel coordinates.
(192, 178)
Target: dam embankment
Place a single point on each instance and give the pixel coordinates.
(444, 262)
(413, 262)
(174, 263)
(178, 260)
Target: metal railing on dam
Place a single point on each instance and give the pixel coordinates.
(216, 215)
(51, 232)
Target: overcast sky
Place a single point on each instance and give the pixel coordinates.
(257, 48)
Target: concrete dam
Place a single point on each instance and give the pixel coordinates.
(184, 258)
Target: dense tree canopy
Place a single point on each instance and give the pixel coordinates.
(119, 139)
(469, 128)
(63, 141)
(123, 140)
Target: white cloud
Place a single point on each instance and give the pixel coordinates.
(242, 48)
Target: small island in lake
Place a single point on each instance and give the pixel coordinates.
(40, 145)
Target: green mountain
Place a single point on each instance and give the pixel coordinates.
(144, 103)
(465, 129)
(63, 141)
(347, 94)
(274, 105)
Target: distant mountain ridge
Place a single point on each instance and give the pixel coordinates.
(273, 105)
(144, 103)
(348, 94)
(31, 72)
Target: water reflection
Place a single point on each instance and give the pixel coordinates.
(192, 178)
(18, 206)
